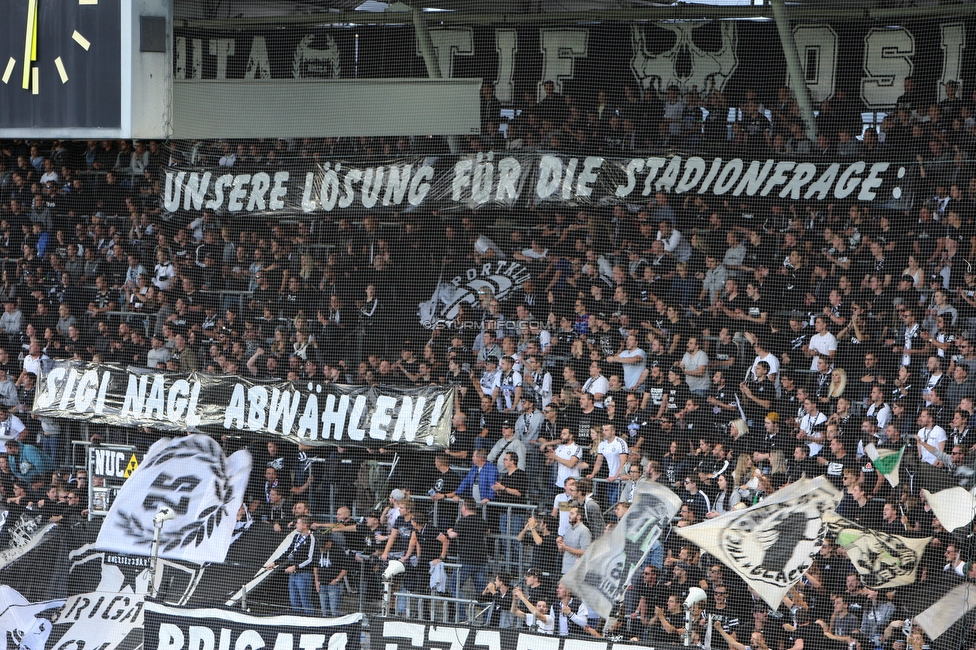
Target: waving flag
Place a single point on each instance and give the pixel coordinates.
(886, 461)
(193, 477)
(953, 508)
(773, 543)
(604, 571)
(882, 560)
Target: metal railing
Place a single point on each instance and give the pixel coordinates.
(451, 609)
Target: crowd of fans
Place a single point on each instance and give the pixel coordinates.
(722, 348)
(939, 133)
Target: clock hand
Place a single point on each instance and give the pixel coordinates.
(30, 44)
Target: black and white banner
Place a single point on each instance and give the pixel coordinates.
(23, 622)
(201, 486)
(26, 533)
(177, 628)
(604, 572)
(771, 544)
(355, 416)
(866, 60)
(504, 180)
(401, 635)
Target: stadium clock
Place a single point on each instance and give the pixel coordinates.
(60, 64)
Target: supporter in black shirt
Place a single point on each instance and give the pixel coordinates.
(866, 511)
(444, 481)
(756, 395)
(676, 393)
(537, 587)
(540, 535)
(792, 341)
(806, 635)
(331, 566)
(837, 460)
(489, 424)
(585, 418)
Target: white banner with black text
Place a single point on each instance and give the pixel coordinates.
(355, 416)
(177, 628)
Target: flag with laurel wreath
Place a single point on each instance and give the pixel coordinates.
(204, 488)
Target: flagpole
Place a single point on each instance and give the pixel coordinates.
(164, 514)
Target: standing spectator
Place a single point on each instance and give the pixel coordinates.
(811, 427)
(634, 361)
(537, 382)
(507, 389)
(694, 363)
(822, 344)
(511, 488)
(539, 616)
(299, 558)
(500, 614)
(590, 508)
(931, 434)
(469, 535)
(614, 451)
(477, 483)
(509, 442)
(444, 481)
(573, 617)
(565, 457)
(329, 573)
(575, 542)
(596, 384)
(528, 429)
(696, 500)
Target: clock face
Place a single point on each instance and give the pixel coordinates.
(74, 79)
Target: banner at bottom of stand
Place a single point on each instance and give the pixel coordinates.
(404, 634)
(179, 628)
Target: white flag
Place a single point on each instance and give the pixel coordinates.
(882, 560)
(953, 507)
(938, 618)
(773, 543)
(19, 620)
(192, 476)
(603, 573)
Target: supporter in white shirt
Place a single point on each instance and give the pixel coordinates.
(535, 252)
(762, 354)
(674, 242)
(634, 361)
(823, 343)
(32, 362)
(567, 455)
(563, 503)
(932, 434)
(597, 385)
(808, 423)
(878, 409)
(11, 426)
(613, 450)
(539, 617)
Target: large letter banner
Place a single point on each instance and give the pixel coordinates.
(177, 628)
(504, 180)
(401, 635)
(773, 543)
(356, 416)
